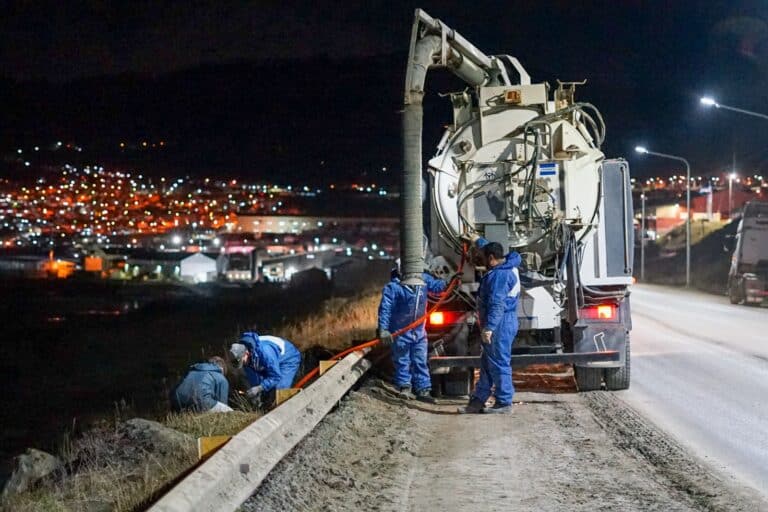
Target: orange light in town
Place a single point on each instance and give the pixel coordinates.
(605, 312)
(437, 318)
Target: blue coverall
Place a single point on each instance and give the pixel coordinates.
(273, 363)
(401, 305)
(497, 306)
(201, 388)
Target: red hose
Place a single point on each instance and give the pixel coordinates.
(443, 296)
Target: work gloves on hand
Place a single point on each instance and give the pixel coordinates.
(486, 336)
(470, 237)
(254, 395)
(385, 337)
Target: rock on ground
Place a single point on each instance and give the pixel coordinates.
(154, 437)
(29, 468)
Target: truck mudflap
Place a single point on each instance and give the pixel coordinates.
(597, 334)
(599, 339)
(608, 357)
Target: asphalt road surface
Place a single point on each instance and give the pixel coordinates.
(700, 372)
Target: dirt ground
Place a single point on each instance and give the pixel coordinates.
(582, 452)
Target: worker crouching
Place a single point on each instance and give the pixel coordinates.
(401, 305)
(269, 362)
(203, 389)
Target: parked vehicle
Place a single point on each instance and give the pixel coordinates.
(748, 276)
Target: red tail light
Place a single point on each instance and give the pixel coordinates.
(437, 318)
(601, 312)
(440, 318)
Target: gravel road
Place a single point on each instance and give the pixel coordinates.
(582, 452)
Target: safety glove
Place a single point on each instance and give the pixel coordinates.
(254, 395)
(470, 237)
(385, 337)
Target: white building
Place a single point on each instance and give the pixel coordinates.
(197, 268)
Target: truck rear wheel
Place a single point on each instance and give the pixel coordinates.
(588, 379)
(618, 378)
(732, 296)
(737, 294)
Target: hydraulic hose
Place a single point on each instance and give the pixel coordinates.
(443, 297)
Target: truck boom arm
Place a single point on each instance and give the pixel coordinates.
(434, 44)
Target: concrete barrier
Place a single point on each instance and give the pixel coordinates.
(231, 475)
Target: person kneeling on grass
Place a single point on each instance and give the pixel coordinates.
(203, 389)
(269, 362)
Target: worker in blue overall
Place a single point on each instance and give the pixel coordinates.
(269, 362)
(402, 304)
(497, 310)
(203, 389)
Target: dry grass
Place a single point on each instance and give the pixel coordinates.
(105, 474)
(340, 322)
(675, 239)
(202, 425)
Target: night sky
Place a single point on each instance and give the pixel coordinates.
(312, 89)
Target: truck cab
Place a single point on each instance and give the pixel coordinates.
(748, 276)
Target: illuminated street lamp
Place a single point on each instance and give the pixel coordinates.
(646, 151)
(710, 102)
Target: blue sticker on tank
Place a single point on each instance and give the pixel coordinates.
(548, 169)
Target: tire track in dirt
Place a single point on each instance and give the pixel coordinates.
(673, 464)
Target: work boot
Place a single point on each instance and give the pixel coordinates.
(475, 406)
(499, 409)
(425, 395)
(405, 393)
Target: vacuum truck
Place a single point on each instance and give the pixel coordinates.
(521, 165)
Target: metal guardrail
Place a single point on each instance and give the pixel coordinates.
(232, 474)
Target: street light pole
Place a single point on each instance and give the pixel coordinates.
(646, 151)
(642, 236)
(710, 102)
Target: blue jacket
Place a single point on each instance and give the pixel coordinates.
(201, 388)
(402, 304)
(267, 355)
(498, 294)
